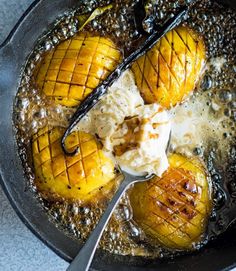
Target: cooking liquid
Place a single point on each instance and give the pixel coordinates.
(210, 112)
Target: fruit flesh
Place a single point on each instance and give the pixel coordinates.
(80, 177)
(75, 67)
(169, 71)
(173, 210)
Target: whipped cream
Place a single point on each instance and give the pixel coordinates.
(135, 133)
(122, 99)
(147, 149)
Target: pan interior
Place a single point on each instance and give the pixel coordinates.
(216, 93)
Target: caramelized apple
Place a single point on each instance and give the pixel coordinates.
(170, 70)
(174, 209)
(80, 177)
(75, 67)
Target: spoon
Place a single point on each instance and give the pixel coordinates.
(83, 260)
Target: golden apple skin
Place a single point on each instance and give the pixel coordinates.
(173, 210)
(85, 176)
(68, 73)
(169, 71)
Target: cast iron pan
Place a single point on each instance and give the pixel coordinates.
(218, 255)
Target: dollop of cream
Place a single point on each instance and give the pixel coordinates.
(122, 99)
(150, 138)
(146, 142)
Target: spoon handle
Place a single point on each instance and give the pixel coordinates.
(83, 260)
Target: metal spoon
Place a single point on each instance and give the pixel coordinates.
(83, 260)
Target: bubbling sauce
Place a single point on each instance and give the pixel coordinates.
(210, 114)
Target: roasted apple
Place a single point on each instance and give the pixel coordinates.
(174, 209)
(80, 177)
(75, 67)
(170, 70)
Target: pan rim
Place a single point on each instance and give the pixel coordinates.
(3, 180)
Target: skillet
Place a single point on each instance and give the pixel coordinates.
(217, 255)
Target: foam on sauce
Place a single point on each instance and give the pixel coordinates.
(195, 123)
